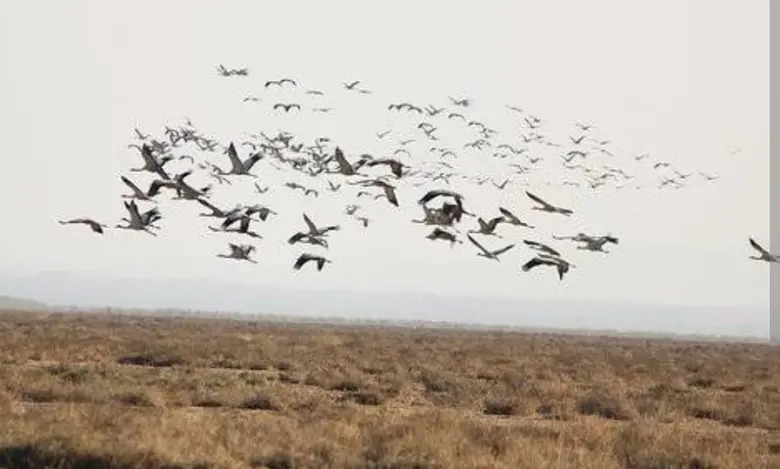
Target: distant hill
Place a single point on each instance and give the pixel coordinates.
(192, 296)
(17, 303)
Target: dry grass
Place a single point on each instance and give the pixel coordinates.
(122, 392)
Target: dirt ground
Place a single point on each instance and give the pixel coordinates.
(99, 392)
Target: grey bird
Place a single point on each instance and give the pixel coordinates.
(489, 254)
(765, 256)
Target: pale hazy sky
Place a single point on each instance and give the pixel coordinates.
(686, 81)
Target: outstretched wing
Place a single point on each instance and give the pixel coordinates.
(475, 243)
(302, 259)
(131, 185)
(390, 193)
(507, 213)
(503, 250)
(234, 160)
(758, 247)
(208, 205)
(339, 156)
(542, 247)
(537, 199)
(309, 223)
(536, 261)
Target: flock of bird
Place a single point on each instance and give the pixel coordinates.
(419, 158)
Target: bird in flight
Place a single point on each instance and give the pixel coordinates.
(489, 254)
(306, 257)
(546, 207)
(560, 265)
(287, 107)
(93, 225)
(765, 256)
(239, 252)
(280, 82)
(465, 102)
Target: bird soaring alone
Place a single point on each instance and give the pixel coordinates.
(765, 256)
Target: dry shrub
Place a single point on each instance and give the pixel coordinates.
(259, 402)
(346, 385)
(148, 359)
(634, 448)
(605, 404)
(498, 406)
(365, 398)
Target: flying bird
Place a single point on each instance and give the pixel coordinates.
(510, 218)
(137, 221)
(306, 257)
(439, 233)
(280, 82)
(591, 243)
(489, 254)
(239, 252)
(546, 207)
(287, 107)
(93, 225)
(137, 192)
(765, 256)
(560, 265)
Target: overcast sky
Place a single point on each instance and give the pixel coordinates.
(685, 81)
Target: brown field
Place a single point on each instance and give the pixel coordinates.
(104, 392)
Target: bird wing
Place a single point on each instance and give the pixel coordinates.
(537, 199)
(494, 222)
(150, 216)
(507, 214)
(543, 247)
(310, 224)
(132, 186)
(758, 247)
(390, 193)
(160, 171)
(135, 217)
(234, 160)
(339, 155)
(154, 187)
(146, 153)
(475, 243)
(428, 197)
(302, 259)
(536, 261)
(252, 160)
(498, 252)
(208, 205)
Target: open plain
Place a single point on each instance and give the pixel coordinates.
(99, 392)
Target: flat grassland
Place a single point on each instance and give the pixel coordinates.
(98, 392)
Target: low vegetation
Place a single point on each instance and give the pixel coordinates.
(111, 392)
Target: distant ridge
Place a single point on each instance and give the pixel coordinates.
(91, 293)
(17, 303)
(339, 322)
